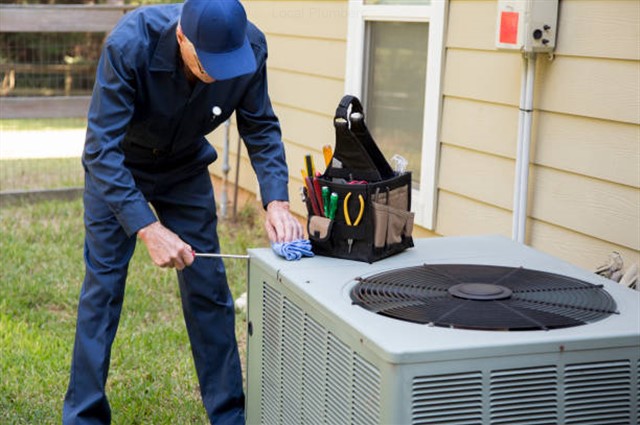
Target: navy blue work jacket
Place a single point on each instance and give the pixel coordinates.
(145, 119)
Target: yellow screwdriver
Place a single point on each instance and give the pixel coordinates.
(328, 154)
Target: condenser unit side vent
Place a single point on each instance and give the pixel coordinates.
(524, 396)
(598, 393)
(447, 399)
(309, 375)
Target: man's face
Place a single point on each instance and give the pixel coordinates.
(190, 58)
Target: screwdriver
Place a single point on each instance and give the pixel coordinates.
(333, 205)
(205, 255)
(328, 154)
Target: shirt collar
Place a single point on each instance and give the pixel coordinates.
(165, 55)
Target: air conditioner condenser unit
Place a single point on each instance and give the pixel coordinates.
(458, 330)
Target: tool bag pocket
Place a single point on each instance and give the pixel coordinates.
(372, 217)
(319, 227)
(392, 218)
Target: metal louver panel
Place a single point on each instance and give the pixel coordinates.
(292, 343)
(447, 399)
(367, 402)
(338, 368)
(315, 342)
(524, 396)
(308, 374)
(271, 400)
(598, 393)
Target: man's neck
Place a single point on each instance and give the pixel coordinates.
(191, 78)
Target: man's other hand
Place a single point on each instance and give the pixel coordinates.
(165, 247)
(281, 225)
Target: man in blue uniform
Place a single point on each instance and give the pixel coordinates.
(169, 75)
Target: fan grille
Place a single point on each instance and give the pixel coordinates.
(483, 297)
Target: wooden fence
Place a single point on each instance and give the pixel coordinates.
(51, 19)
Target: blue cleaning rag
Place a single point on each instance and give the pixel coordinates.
(293, 250)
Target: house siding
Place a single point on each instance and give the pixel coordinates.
(584, 188)
(306, 69)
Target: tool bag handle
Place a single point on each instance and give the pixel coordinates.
(355, 149)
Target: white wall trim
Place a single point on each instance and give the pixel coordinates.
(428, 194)
(355, 50)
(425, 199)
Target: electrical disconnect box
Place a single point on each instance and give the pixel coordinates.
(527, 25)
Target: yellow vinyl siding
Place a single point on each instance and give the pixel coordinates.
(477, 175)
(459, 215)
(473, 124)
(311, 93)
(315, 19)
(590, 206)
(490, 76)
(590, 147)
(464, 216)
(584, 188)
(578, 248)
(316, 57)
(596, 88)
(584, 199)
(471, 24)
(587, 142)
(306, 67)
(607, 29)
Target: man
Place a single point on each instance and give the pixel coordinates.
(169, 75)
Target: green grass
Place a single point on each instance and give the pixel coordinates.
(152, 378)
(40, 174)
(43, 124)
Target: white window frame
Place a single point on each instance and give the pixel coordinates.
(424, 200)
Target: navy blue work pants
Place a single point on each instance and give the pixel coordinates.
(186, 207)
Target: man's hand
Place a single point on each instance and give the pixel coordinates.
(280, 224)
(165, 247)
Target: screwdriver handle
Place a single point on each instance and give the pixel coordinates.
(328, 154)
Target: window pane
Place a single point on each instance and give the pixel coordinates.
(395, 88)
(397, 2)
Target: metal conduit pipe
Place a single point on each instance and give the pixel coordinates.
(224, 198)
(521, 186)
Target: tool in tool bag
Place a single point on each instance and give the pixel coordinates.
(325, 200)
(347, 216)
(333, 205)
(327, 153)
(312, 195)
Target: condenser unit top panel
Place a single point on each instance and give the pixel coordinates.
(324, 284)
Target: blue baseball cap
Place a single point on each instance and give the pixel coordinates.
(218, 31)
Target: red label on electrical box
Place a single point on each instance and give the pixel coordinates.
(509, 27)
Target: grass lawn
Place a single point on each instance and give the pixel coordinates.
(152, 378)
(40, 174)
(42, 124)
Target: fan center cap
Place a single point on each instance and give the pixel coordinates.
(480, 291)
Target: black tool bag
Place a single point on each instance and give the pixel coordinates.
(377, 221)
